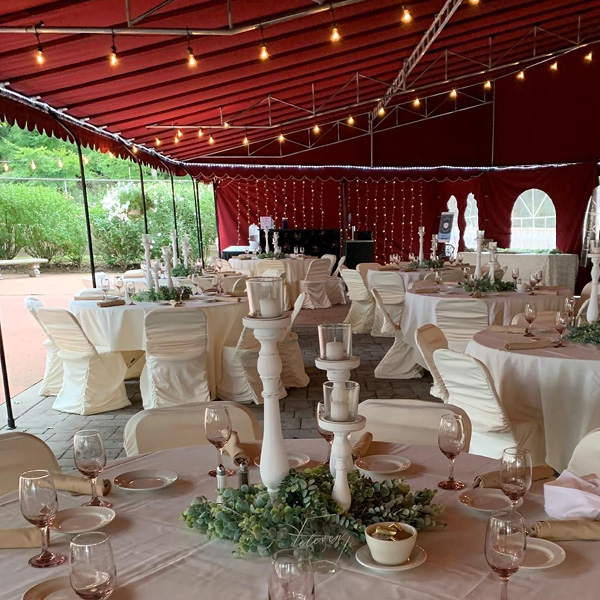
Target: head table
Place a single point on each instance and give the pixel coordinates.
(559, 387)
(121, 328)
(158, 558)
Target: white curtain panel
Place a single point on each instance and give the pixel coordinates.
(362, 309)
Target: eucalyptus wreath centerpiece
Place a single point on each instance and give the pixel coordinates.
(164, 294)
(586, 333)
(438, 263)
(485, 285)
(304, 514)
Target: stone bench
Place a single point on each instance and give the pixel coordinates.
(33, 264)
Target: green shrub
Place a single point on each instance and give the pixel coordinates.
(12, 228)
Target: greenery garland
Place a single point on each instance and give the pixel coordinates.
(181, 271)
(438, 263)
(164, 294)
(303, 512)
(484, 284)
(588, 333)
(278, 255)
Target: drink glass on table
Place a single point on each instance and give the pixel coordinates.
(515, 274)
(105, 285)
(570, 306)
(217, 428)
(411, 256)
(302, 250)
(438, 279)
(539, 275)
(326, 435)
(92, 566)
(90, 460)
(562, 320)
(530, 316)
(515, 473)
(291, 576)
(296, 250)
(505, 543)
(39, 505)
(118, 283)
(131, 291)
(459, 258)
(451, 441)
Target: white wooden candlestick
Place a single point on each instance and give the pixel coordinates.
(421, 237)
(166, 255)
(274, 464)
(434, 248)
(592, 311)
(174, 249)
(156, 271)
(186, 250)
(267, 249)
(479, 241)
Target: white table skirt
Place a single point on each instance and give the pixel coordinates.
(419, 309)
(159, 558)
(559, 387)
(558, 269)
(121, 328)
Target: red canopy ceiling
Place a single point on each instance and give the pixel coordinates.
(153, 86)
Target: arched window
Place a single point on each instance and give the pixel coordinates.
(591, 223)
(533, 222)
(455, 233)
(472, 222)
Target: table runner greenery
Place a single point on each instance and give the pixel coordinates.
(587, 333)
(164, 293)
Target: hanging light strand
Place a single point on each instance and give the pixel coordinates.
(191, 59)
(263, 53)
(335, 35)
(113, 58)
(40, 59)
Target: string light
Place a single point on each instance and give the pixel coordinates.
(200, 134)
(281, 138)
(176, 139)
(381, 111)
(264, 53)
(245, 141)
(191, 60)
(135, 149)
(179, 133)
(226, 125)
(316, 129)
(487, 85)
(32, 165)
(406, 16)
(453, 94)
(588, 57)
(59, 162)
(554, 66)
(350, 121)
(473, 2)
(416, 103)
(157, 142)
(40, 59)
(521, 75)
(335, 35)
(211, 140)
(113, 59)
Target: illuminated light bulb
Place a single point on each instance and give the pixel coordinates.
(335, 34)
(316, 129)
(416, 103)
(487, 85)
(32, 165)
(453, 94)
(211, 139)
(113, 59)
(350, 120)
(179, 133)
(175, 139)
(264, 53)
(226, 125)
(381, 111)
(40, 59)
(406, 16)
(59, 162)
(473, 2)
(281, 138)
(554, 66)
(135, 149)
(200, 134)
(191, 61)
(5, 166)
(157, 141)
(521, 75)
(588, 57)
(245, 141)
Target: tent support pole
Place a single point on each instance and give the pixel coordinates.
(10, 419)
(215, 196)
(174, 209)
(86, 208)
(143, 197)
(201, 236)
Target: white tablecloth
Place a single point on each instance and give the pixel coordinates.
(559, 269)
(159, 558)
(419, 309)
(121, 328)
(559, 387)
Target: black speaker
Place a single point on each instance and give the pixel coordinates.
(363, 235)
(359, 251)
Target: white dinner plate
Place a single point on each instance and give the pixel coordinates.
(542, 554)
(417, 557)
(82, 519)
(145, 480)
(296, 459)
(58, 588)
(486, 499)
(382, 464)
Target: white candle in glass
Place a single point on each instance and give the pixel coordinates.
(334, 351)
(339, 410)
(269, 308)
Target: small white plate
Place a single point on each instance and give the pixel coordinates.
(296, 459)
(58, 588)
(542, 554)
(382, 464)
(82, 519)
(486, 499)
(417, 557)
(145, 480)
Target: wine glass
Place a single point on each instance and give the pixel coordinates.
(92, 566)
(118, 283)
(451, 441)
(515, 473)
(217, 427)
(326, 435)
(291, 576)
(39, 505)
(296, 250)
(438, 279)
(90, 460)
(570, 306)
(530, 316)
(539, 275)
(562, 320)
(460, 258)
(130, 291)
(105, 285)
(505, 544)
(411, 257)
(515, 274)
(301, 250)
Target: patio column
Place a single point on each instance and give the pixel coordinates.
(86, 208)
(143, 197)
(10, 420)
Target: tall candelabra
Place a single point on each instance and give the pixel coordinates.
(479, 240)
(147, 244)
(174, 249)
(421, 238)
(166, 256)
(434, 243)
(156, 271)
(592, 311)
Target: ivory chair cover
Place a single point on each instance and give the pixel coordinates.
(391, 290)
(364, 268)
(447, 275)
(470, 387)
(53, 373)
(341, 265)
(586, 456)
(362, 309)
(20, 452)
(460, 320)
(400, 361)
(546, 318)
(586, 292)
(175, 370)
(334, 287)
(314, 285)
(409, 421)
(93, 378)
(183, 425)
(234, 284)
(331, 258)
(268, 264)
(584, 307)
(430, 338)
(293, 374)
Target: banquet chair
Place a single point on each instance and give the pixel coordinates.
(20, 452)
(364, 268)
(362, 307)
(470, 387)
(400, 361)
(584, 307)
(182, 426)
(391, 289)
(460, 319)
(230, 283)
(449, 276)
(239, 285)
(586, 456)
(586, 292)
(409, 421)
(430, 338)
(93, 377)
(293, 374)
(53, 373)
(266, 264)
(334, 285)
(546, 318)
(314, 285)
(331, 258)
(341, 265)
(175, 371)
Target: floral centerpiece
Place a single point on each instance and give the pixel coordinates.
(164, 293)
(278, 255)
(303, 513)
(438, 263)
(484, 285)
(586, 333)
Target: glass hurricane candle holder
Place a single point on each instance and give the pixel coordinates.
(335, 341)
(265, 297)
(341, 400)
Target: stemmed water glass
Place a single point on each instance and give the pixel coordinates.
(438, 279)
(118, 283)
(562, 320)
(505, 543)
(539, 275)
(516, 473)
(92, 566)
(530, 316)
(291, 576)
(217, 428)
(39, 505)
(130, 291)
(105, 285)
(296, 250)
(515, 274)
(301, 250)
(570, 306)
(411, 257)
(459, 258)
(451, 441)
(90, 460)
(326, 435)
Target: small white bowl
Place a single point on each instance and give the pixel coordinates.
(390, 552)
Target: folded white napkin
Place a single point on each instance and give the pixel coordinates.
(573, 497)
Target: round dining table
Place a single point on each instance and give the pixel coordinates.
(157, 557)
(121, 328)
(558, 387)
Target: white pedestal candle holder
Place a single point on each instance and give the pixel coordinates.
(421, 237)
(434, 243)
(147, 245)
(174, 249)
(185, 248)
(156, 272)
(166, 255)
(479, 240)
(592, 311)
